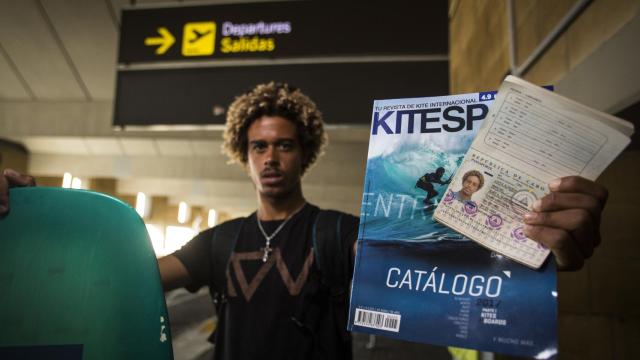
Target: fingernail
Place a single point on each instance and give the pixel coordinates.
(529, 217)
(554, 184)
(537, 205)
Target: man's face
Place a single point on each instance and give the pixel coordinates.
(274, 156)
(470, 185)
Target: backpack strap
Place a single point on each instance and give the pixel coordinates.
(223, 241)
(327, 246)
(334, 268)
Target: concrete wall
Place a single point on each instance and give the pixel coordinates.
(479, 41)
(13, 156)
(599, 305)
(478, 45)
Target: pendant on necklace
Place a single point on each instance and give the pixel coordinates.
(267, 250)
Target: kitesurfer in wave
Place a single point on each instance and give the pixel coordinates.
(426, 183)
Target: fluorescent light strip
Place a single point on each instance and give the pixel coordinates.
(66, 180)
(183, 212)
(213, 218)
(76, 183)
(141, 204)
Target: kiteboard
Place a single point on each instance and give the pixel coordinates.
(79, 279)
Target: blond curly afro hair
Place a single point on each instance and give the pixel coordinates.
(274, 99)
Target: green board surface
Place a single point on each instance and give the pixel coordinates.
(78, 273)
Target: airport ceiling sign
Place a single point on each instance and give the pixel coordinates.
(280, 29)
(163, 42)
(182, 65)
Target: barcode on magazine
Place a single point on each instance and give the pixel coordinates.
(377, 320)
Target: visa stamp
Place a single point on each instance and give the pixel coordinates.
(449, 198)
(494, 221)
(470, 208)
(518, 233)
(521, 202)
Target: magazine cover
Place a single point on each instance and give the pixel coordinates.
(418, 280)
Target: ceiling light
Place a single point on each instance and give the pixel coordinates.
(141, 204)
(183, 212)
(213, 218)
(76, 183)
(66, 180)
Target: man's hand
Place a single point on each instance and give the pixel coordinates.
(11, 178)
(567, 220)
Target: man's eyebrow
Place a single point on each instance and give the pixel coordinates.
(279, 140)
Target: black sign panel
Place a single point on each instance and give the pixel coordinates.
(284, 30)
(343, 92)
(342, 54)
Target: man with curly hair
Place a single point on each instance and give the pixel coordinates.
(272, 279)
(276, 133)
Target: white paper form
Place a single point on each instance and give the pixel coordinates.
(530, 137)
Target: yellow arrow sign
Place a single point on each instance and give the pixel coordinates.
(165, 40)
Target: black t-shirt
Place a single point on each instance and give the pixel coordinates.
(263, 297)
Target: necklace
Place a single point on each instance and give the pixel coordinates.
(267, 249)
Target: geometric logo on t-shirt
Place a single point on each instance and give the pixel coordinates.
(249, 288)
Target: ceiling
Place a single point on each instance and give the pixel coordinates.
(54, 50)
(57, 84)
(57, 81)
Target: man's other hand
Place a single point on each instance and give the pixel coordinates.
(11, 178)
(567, 220)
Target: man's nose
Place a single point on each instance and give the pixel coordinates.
(272, 155)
